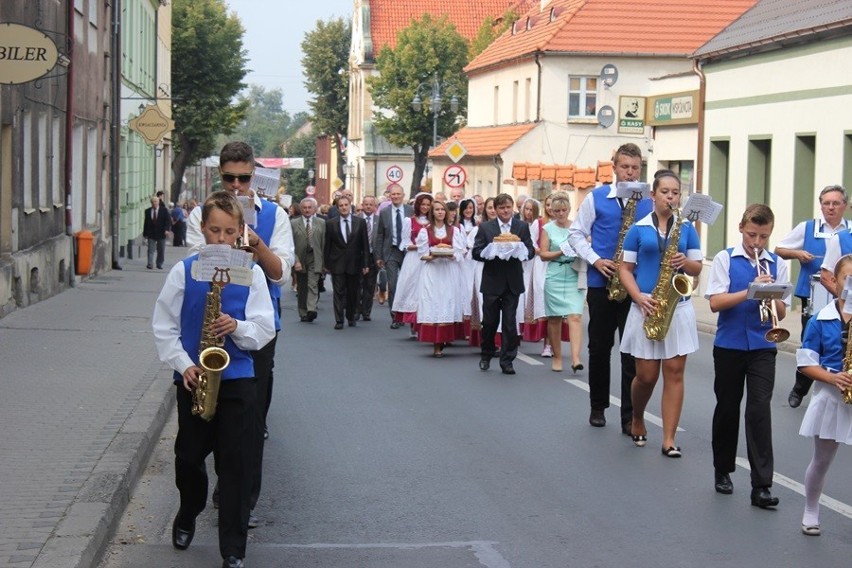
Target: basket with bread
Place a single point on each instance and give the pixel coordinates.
(441, 250)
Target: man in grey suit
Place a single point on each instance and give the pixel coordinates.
(388, 237)
(368, 281)
(309, 242)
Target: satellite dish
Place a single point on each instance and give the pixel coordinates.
(609, 75)
(606, 116)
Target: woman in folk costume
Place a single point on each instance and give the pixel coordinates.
(407, 285)
(467, 225)
(440, 307)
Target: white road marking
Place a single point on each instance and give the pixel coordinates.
(617, 402)
(527, 359)
(484, 551)
(783, 480)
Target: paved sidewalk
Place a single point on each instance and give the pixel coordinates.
(82, 401)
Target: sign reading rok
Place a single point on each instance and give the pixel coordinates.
(25, 54)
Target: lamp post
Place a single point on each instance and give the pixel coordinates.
(435, 104)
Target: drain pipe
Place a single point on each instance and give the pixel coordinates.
(699, 159)
(499, 168)
(69, 143)
(115, 135)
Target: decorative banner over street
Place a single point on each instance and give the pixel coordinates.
(25, 54)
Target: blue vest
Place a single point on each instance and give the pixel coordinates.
(264, 227)
(740, 327)
(817, 248)
(845, 239)
(234, 300)
(606, 228)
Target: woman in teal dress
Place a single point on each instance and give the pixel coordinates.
(562, 297)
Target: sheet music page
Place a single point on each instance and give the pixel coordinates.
(223, 262)
(632, 189)
(249, 212)
(700, 207)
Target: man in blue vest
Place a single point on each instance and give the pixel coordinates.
(271, 236)
(807, 244)
(600, 217)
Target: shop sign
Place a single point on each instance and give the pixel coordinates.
(673, 109)
(25, 54)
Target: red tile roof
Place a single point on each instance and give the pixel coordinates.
(632, 27)
(485, 142)
(387, 17)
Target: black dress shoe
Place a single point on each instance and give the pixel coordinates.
(357, 317)
(366, 318)
(253, 521)
(304, 318)
(312, 316)
(352, 323)
(484, 364)
(724, 485)
(395, 325)
(182, 537)
(795, 399)
(338, 325)
(761, 497)
(597, 418)
(233, 562)
(507, 369)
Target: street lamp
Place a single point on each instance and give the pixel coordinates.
(436, 102)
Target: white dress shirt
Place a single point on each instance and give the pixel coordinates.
(720, 271)
(281, 242)
(581, 227)
(795, 239)
(257, 330)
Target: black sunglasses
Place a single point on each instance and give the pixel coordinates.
(229, 178)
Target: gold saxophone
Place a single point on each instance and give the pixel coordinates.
(615, 288)
(213, 359)
(669, 290)
(847, 363)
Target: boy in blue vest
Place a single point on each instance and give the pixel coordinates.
(743, 357)
(246, 323)
(807, 244)
(271, 236)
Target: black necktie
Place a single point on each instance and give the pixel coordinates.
(398, 227)
(346, 229)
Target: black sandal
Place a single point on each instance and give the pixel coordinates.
(640, 440)
(672, 452)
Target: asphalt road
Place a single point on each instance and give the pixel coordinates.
(381, 456)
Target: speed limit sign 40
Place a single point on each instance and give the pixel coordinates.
(394, 174)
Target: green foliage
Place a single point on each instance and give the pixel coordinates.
(208, 66)
(266, 124)
(426, 48)
(325, 62)
(299, 146)
(490, 30)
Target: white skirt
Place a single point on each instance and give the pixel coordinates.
(408, 284)
(827, 416)
(682, 338)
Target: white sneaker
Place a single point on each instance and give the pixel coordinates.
(547, 351)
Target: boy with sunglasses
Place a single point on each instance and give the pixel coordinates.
(272, 237)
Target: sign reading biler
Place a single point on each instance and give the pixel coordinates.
(25, 54)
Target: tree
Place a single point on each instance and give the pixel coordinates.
(208, 66)
(300, 146)
(490, 30)
(266, 124)
(425, 49)
(325, 63)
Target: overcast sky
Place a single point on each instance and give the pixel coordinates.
(274, 33)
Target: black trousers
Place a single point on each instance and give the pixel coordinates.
(264, 361)
(230, 434)
(803, 384)
(736, 370)
(366, 291)
(605, 318)
(345, 287)
(493, 307)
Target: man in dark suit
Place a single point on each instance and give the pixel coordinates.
(346, 255)
(368, 282)
(388, 237)
(309, 243)
(154, 229)
(502, 285)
